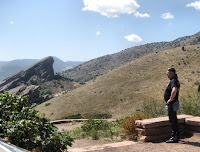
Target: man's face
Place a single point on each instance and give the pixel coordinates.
(170, 74)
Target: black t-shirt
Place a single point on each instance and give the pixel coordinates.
(173, 83)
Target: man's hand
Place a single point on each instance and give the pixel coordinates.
(168, 101)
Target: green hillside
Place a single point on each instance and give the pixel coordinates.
(120, 91)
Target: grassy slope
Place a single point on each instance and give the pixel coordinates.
(121, 91)
(57, 86)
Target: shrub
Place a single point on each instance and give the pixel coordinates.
(76, 116)
(100, 116)
(94, 134)
(77, 133)
(96, 129)
(129, 126)
(153, 108)
(191, 104)
(47, 104)
(26, 128)
(45, 91)
(33, 81)
(92, 124)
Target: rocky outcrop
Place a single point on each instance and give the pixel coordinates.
(26, 82)
(43, 70)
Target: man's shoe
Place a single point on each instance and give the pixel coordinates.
(172, 140)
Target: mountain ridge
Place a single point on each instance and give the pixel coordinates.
(99, 66)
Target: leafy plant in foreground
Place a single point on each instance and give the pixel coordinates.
(23, 126)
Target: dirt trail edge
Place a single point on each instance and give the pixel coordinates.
(190, 144)
(102, 147)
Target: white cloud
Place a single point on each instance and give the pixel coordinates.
(167, 16)
(111, 8)
(133, 38)
(138, 14)
(196, 5)
(98, 33)
(12, 22)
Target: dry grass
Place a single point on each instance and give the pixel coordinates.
(57, 86)
(120, 91)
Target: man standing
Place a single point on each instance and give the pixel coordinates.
(171, 96)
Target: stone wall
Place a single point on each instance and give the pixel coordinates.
(159, 128)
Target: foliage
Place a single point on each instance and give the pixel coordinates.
(190, 105)
(101, 116)
(77, 133)
(26, 128)
(129, 126)
(94, 134)
(92, 124)
(45, 91)
(97, 129)
(94, 116)
(153, 108)
(33, 81)
(77, 116)
(47, 104)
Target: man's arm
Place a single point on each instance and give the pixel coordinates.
(173, 94)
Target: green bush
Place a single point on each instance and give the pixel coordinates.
(94, 134)
(153, 108)
(23, 126)
(45, 91)
(77, 133)
(76, 116)
(96, 129)
(100, 116)
(33, 81)
(94, 124)
(47, 104)
(190, 105)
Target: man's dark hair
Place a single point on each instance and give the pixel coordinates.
(172, 70)
(176, 76)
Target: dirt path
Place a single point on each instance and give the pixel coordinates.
(191, 144)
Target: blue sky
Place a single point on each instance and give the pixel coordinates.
(80, 30)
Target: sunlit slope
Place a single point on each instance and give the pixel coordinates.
(120, 91)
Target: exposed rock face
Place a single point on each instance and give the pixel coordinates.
(22, 81)
(43, 70)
